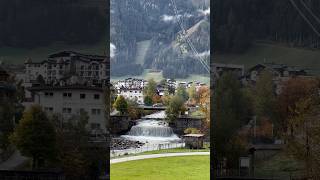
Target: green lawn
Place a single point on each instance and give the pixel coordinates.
(168, 168)
(280, 165)
(277, 53)
(157, 76)
(174, 150)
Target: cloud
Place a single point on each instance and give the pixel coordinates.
(112, 50)
(170, 18)
(204, 54)
(205, 12)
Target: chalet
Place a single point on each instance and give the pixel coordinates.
(280, 73)
(222, 68)
(277, 70)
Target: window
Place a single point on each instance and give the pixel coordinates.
(95, 111)
(48, 109)
(82, 96)
(67, 110)
(67, 95)
(48, 94)
(96, 96)
(95, 126)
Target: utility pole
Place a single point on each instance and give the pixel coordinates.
(255, 128)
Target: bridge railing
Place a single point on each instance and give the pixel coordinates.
(146, 148)
(162, 148)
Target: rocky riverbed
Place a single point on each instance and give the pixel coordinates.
(121, 144)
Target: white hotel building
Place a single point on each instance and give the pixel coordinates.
(91, 68)
(131, 88)
(135, 94)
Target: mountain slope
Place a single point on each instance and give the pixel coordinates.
(133, 22)
(277, 53)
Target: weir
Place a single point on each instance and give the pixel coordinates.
(152, 131)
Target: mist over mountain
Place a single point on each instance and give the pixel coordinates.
(145, 35)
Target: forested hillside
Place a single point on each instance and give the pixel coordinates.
(36, 23)
(237, 24)
(155, 22)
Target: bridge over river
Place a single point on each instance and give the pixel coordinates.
(161, 108)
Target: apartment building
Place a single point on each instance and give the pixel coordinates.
(69, 101)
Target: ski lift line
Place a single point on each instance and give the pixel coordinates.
(304, 17)
(310, 11)
(200, 59)
(187, 38)
(196, 52)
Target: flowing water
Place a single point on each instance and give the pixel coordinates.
(152, 131)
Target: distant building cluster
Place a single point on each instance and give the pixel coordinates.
(280, 73)
(132, 88)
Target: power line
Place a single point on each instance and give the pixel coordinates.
(184, 33)
(304, 17)
(310, 11)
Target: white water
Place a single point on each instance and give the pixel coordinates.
(158, 115)
(152, 132)
(156, 134)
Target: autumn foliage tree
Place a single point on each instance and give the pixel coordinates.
(175, 108)
(230, 112)
(35, 136)
(121, 105)
(293, 90)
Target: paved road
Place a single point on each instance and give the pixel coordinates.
(14, 161)
(133, 158)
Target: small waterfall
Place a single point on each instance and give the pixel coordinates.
(151, 131)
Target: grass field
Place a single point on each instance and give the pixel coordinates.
(169, 168)
(174, 150)
(281, 165)
(142, 48)
(157, 76)
(19, 55)
(263, 52)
